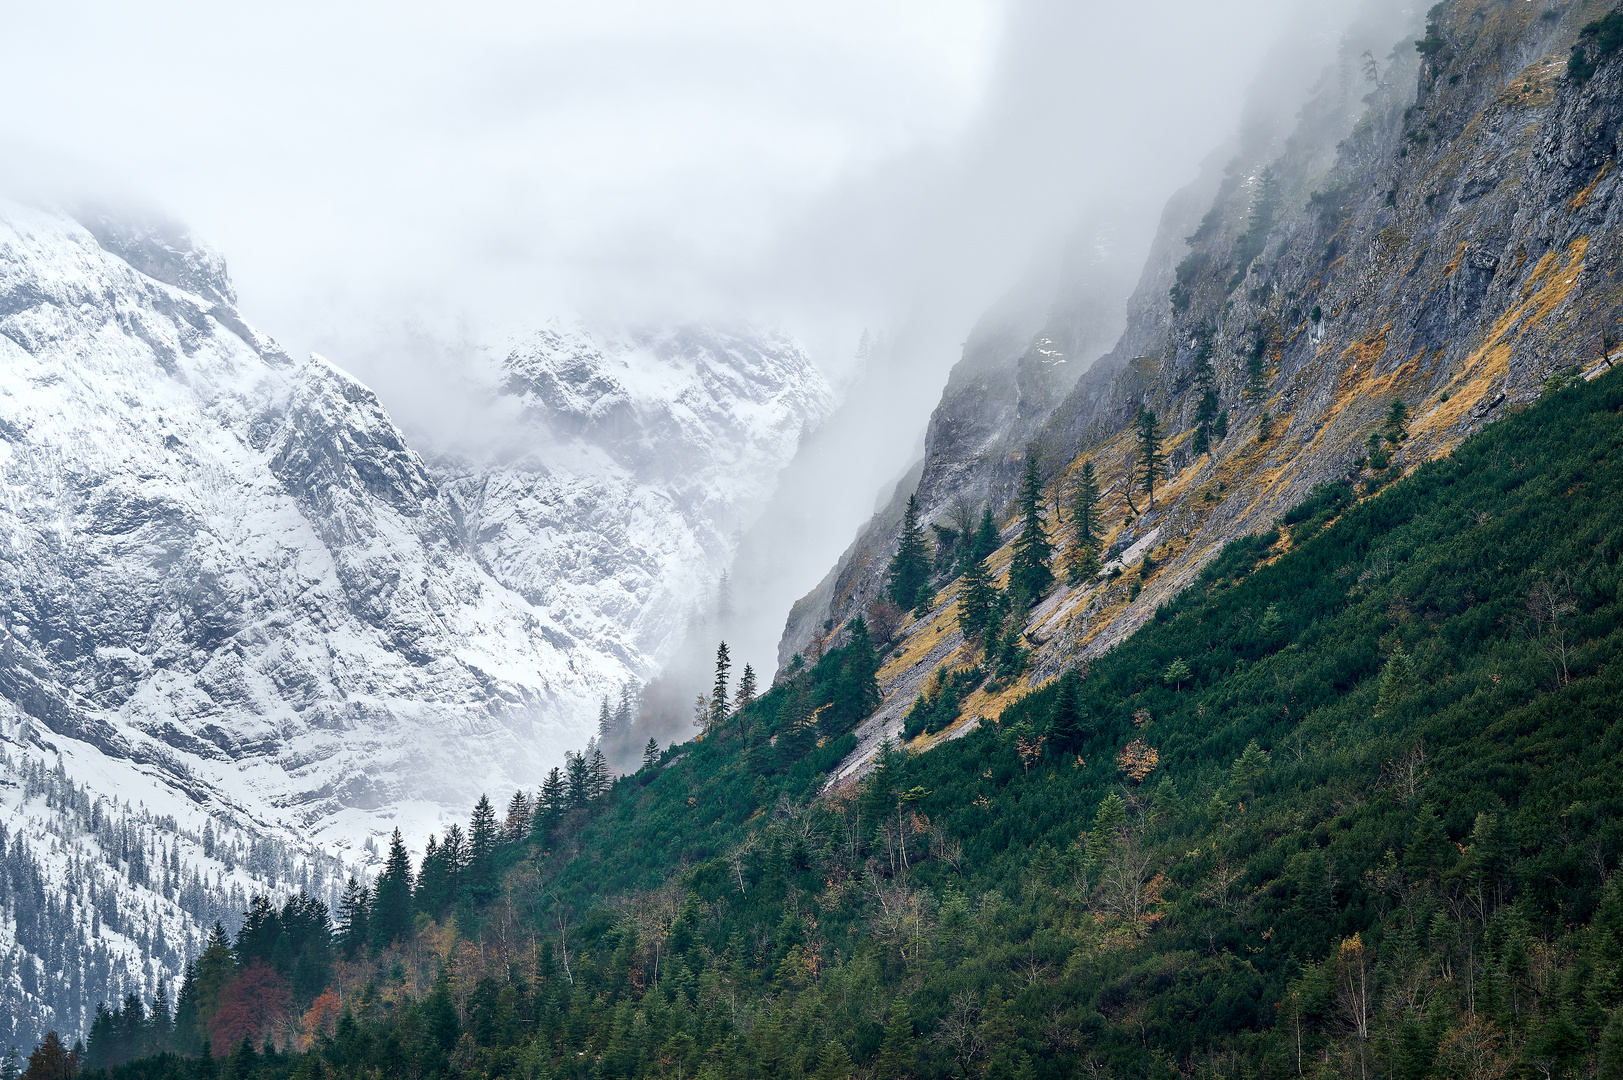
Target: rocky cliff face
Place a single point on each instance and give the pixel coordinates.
(244, 625)
(1454, 244)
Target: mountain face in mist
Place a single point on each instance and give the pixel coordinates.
(243, 621)
(1440, 231)
(652, 451)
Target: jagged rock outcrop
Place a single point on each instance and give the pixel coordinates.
(1454, 245)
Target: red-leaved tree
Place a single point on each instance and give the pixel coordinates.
(253, 1003)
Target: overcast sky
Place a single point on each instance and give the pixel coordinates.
(496, 159)
(393, 181)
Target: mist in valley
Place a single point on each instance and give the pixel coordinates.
(899, 186)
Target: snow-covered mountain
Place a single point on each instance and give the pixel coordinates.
(234, 599)
(646, 454)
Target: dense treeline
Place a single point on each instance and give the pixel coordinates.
(1349, 807)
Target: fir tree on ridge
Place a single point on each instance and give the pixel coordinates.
(1029, 574)
(908, 577)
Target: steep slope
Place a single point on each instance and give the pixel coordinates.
(1455, 248)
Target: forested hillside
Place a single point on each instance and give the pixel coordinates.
(1347, 806)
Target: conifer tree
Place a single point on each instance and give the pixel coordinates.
(518, 816)
(987, 538)
(1151, 463)
(856, 690)
(354, 930)
(597, 769)
(626, 712)
(1029, 574)
(1205, 418)
(746, 689)
(718, 693)
(898, 1058)
(833, 1063)
(187, 1031)
(1067, 727)
(977, 600)
(482, 839)
(1397, 679)
(9, 1067)
(391, 899)
(909, 572)
(554, 797)
(650, 754)
(578, 780)
(1083, 560)
(605, 720)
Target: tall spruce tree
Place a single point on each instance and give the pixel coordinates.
(597, 770)
(1029, 574)
(977, 600)
(354, 929)
(483, 835)
(987, 538)
(650, 754)
(856, 689)
(391, 899)
(578, 780)
(718, 693)
(898, 1056)
(1151, 462)
(746, 689)
(1082, 562)
(909, 573)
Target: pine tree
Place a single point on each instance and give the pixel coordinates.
(215, 968)
(597, 769)
(1205, 417)
(549, 803)
(1082, 563)
(724, 601)
(718, 693)
(518, 817)
(9, 1067)
(1029, 575)
(1397, 422)
(977, 600)
(897, 1056)
(578, 780)
(856, 689)
(354, 930)
(909, 573)
(605, 720)
(626, 712)
(746, 689)
(1151, 463)
(188, 1031)
(650, 754)
(833, 1063)
(987, 537)
(554, 798)
(391, 899)
(482, 839)
(1067, 727)
(1397, 679)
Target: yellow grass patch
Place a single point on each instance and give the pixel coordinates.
(1454, 263)
(1549, 284)
(1581, 200)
